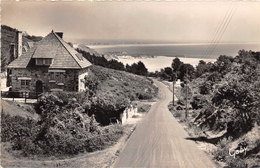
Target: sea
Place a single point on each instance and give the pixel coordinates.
(165, 53)
(188, 50)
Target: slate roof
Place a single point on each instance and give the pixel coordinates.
(52, 46)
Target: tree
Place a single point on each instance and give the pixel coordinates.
(169, 72)
(186, 70)
(128, 68)
(137, 68)
(241, 99)
(205, 88)
(223, 64)
(202, 68)
(163, 75)
(141, 69)
(176, 65)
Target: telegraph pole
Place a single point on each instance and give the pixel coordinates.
(173, 83)
(186, 110)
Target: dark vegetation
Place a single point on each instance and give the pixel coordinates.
(114, 90)
(136, 68)
(178, 70)
(224, 101)
(73, 123)
(34, 38)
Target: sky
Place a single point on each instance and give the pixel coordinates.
(169, 21)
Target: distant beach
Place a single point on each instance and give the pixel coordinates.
(190, 53)
(159, 62)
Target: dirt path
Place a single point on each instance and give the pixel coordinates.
(159, 141)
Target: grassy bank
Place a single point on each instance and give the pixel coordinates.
(223, 109)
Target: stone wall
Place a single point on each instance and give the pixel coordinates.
(128, 113)
(81, 79)
(53, 80)
(8, 37)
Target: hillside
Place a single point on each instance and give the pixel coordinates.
(18, 109)
(114, 90)
(86, 49)
(224, 101)
(120, 83)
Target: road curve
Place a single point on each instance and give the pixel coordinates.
(159, 141)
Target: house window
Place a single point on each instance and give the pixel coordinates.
(43, 61)
(12, 52)
(47, 61)
(25, 84)
(52, 76)
(61, 77)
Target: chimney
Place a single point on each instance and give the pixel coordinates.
(19, 43)
(60, 34)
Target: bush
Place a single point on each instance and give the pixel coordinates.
(198, 102)
(205, 88)
(222, 151)
(13, 128)
(62, 130)
(143, 108)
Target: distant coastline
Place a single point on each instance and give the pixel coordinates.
(190, 50)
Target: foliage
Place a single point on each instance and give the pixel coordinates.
(113, 91)
(34, 38)
(15, 127)
(63, 129)
(107, 106)
(137, 68)
(122, 84)
(232, 94)
(176, 65)
(214, 77)
(223, 64)
(205, 88)
(186, 72)
(198, 101)
(202, 68)
(242, 101)
(102, 61)
(143, 108)
(222, 150)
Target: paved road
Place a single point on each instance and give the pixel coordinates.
(159, 141)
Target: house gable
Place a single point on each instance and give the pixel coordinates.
(52, 47)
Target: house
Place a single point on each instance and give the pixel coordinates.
(50, 65)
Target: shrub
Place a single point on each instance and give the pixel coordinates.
(222, 151)
(62, 130)
(236, 162)
(143, 108)
(198, 102)
(205, 88)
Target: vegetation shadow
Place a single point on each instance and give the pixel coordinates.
(208, 140)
